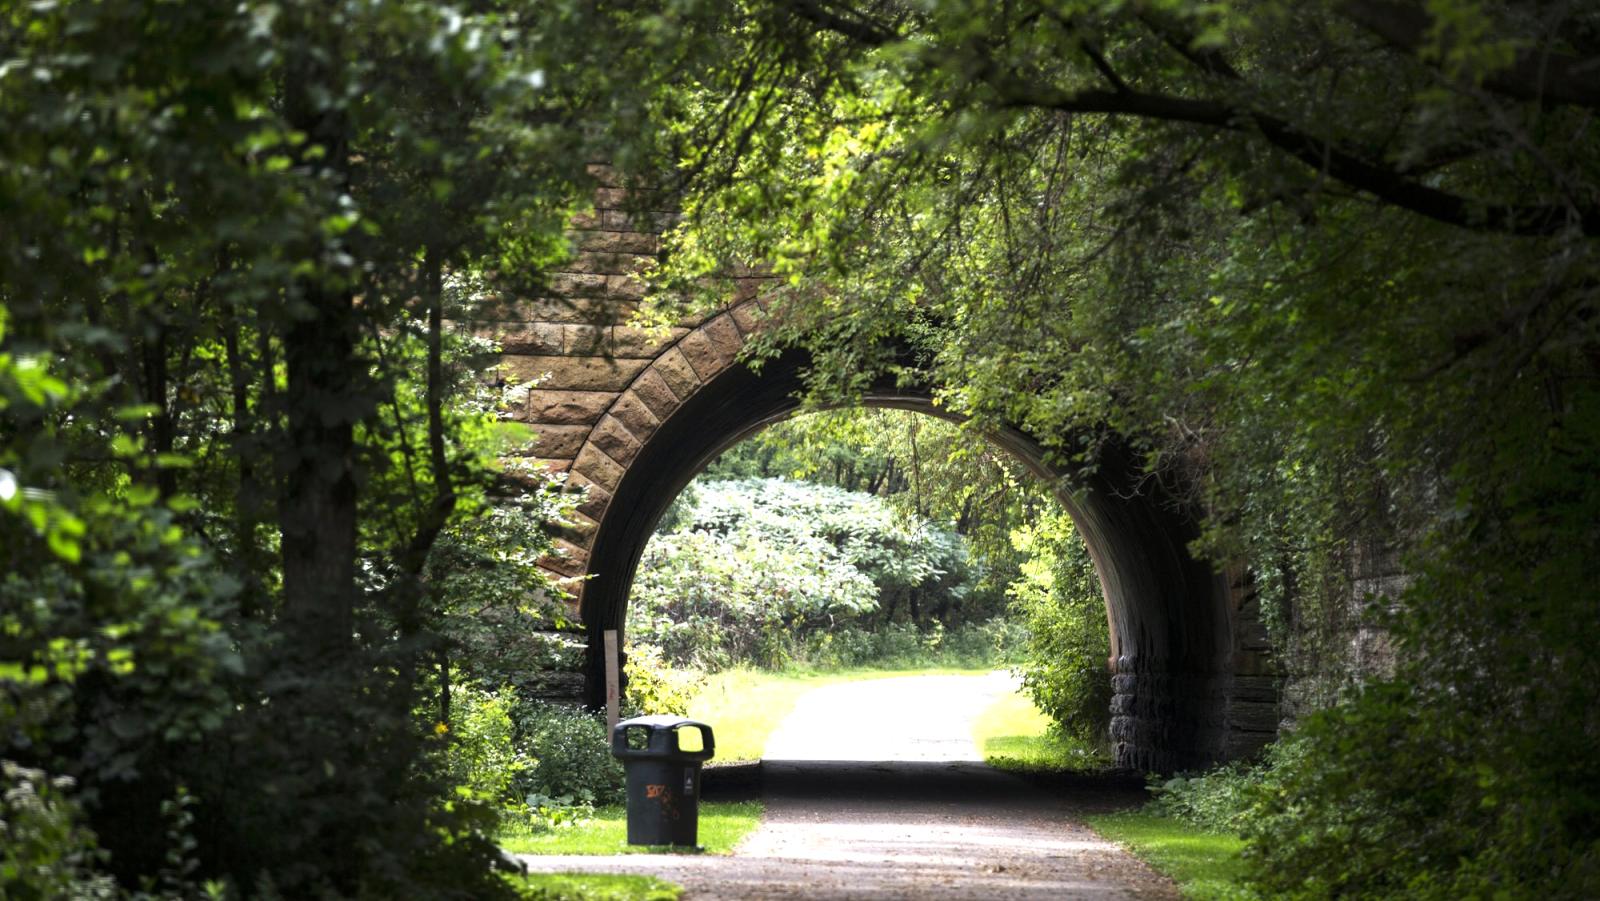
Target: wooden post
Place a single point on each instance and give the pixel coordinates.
(613, 683)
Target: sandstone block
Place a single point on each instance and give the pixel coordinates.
(585, 340)
(579, 310)
(653, 390)
(577, 284)
(626, 287)
(595, 499)
(572, 561)
(574, 373)
(675, 370)
(579, 531)
(525, 337)
(598, 468)
(635, 416)
(748, 317)
(585, 219)
(557, 442)
(612, 437)
(621, 241)
(627, 341)
(568, 407)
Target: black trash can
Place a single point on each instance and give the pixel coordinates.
(663, 778)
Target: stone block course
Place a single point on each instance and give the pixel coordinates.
(627, 341)
(573, 373)
(568, 407)
(560, 441)
(616, 241)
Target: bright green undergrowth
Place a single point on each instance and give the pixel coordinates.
(594, 887)
(722, 825)
(744, 706)
(1015, 735)
(1206, 865)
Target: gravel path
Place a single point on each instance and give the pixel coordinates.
(875, 790)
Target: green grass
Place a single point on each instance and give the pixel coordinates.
(1016, 736)
(722, 825)
(594, 887)
(1206, 865)
(744, 706)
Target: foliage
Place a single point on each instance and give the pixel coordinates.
(1059, 600)
(45, 850)
(758, 567)
(483, 759)
(1326, 270)
(573, 756)
(655, 686)
(922, 465)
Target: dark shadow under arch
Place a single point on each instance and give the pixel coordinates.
(1169, 614)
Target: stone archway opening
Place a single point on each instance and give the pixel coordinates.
(1179, 701)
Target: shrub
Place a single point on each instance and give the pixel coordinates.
(483, 758)
(655, 685)
(1060, 602)
(45, 851)
(571, 753)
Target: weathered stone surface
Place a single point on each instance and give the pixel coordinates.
(615, 440)
(676, 372)
(554, 466)
(625, 241)
(598, 468)
(618, 220)
(627, 287)
(598, 311)
(574, 373)
(653, 390)
(586, 219)
(578, 531)
(578, 284)
(586, 261)
(573, 561)
(712, 347)
(525, 337)
(559, 441)
(568, 407)
(748, 317)
(596, 499)
(584, 340)
(643, 342)
(633, 414)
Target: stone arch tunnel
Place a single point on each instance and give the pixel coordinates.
(632, 415)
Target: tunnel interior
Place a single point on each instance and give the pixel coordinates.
(1168, 613)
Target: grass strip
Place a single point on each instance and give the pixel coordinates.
(594, 887)
(1015, 736)
(1206, 865)
(744, 706)
(723, 824)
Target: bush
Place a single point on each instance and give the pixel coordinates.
(758, 569)
(655, 686)
(1060, 602)
(571, 753)
(45, 851)
(484, 759)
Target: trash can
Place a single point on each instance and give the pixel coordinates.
(663, 777)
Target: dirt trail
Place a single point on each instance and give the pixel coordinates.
(874, 790)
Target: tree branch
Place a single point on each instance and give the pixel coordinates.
(1385, 184)
(1537, 75)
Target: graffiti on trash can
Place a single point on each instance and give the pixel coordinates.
(663, 794)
